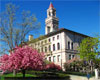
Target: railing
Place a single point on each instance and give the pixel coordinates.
(74, 51)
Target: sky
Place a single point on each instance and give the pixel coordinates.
(81, 16)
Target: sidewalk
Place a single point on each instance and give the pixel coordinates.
(74, 77)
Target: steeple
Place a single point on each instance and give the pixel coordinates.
(51, 5)
(51, 20)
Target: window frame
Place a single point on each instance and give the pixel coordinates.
(69, 57)
(58, 58)
(68, 44)
(57, 37)
(53, 38)
(54, 58)
(58, 46)
(72, 46)
(53, 47)
(49, 58)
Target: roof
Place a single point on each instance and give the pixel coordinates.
(65, 30)
(56, 32)
(51, 5)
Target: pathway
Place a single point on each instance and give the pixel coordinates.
(74, 77)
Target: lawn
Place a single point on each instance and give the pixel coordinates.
(17, 75)
(36, 74)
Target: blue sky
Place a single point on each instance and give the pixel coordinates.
(79, 16)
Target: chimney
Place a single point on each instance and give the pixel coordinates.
(30, 37)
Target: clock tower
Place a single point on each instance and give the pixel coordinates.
(51, 21)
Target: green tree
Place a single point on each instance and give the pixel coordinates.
(14, 26)
(89, 49)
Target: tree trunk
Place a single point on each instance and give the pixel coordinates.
(14, 72)
(23, 72)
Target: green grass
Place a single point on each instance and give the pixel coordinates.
(36, 74)
(17, 75)
(60, 74)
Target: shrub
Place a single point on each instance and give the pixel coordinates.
(53, 67)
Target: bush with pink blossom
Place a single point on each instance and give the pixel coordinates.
(53, 67)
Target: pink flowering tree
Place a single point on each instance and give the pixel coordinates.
(51, 66)
(23, 58)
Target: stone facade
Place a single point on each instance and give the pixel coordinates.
(59, 45)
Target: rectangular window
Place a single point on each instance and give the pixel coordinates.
(69, 57)
(54, 58)
(58, 46)
(73, 56)
(58, 58)
(53, 47)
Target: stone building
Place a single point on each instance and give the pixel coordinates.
(60, 45)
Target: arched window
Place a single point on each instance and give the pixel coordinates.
(49, 58)
(54, 58)
(38, 50)
(68, 45)
(49, 47)
(72, 45)
(53, 38)
(53, 13)
(58, 58)
(42, 43)
(49, 40)
(57, 36)
(42, 49)
(53, 47)
(45, 49)
(58, 46)
(49, 14)
(48, 29)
